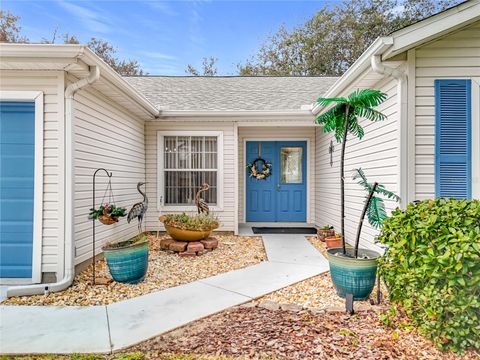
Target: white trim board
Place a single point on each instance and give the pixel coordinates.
(37, 97)
(309, 173)
(160, 169)
(475, 111)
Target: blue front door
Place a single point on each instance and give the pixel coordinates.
(282, 196)
(17, 146)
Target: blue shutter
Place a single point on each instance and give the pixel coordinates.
(453, 139)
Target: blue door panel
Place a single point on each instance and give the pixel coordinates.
(17, 157)
(277, 201)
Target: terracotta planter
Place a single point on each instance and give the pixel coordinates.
(333, 242)
(187, 235)
(322, 234)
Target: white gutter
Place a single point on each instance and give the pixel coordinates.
(402, 83)
(69, 251)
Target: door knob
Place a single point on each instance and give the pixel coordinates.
(278, 187)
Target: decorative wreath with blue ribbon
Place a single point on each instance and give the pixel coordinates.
(260, 169)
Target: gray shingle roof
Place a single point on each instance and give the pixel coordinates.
(231, 93)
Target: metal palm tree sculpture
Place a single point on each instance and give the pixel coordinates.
(374, 207)
(139, 209)
(343, 119)
(202, 206)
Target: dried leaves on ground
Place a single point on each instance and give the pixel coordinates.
(165, 270)
(254, 333)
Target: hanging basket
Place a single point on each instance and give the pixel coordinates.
(108, 220)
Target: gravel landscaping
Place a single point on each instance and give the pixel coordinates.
(317, 292)
(165, 270)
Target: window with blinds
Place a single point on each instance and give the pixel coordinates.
(189, 162)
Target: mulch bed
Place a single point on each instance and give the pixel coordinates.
(258, 333)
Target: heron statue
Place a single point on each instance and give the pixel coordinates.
(139, 209)
(202, 205)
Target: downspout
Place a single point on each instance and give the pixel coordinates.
(402, 82)
(69, 251)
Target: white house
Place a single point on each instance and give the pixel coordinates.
(65, 113)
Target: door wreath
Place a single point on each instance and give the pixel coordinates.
(260, 169)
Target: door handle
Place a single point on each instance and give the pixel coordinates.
(278, 187)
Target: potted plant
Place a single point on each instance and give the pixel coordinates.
(107, 214)
(334, 241)
(183, 227)
(128, 260)
(343, 118)
(355, 272)
(325, 231)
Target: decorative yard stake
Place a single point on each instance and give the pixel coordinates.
(139, 209)
(202, 206)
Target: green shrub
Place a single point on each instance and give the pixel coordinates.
(432, 269)
(204, 222)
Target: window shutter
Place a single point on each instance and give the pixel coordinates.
(453, 139)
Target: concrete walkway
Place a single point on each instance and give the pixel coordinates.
(102, 329)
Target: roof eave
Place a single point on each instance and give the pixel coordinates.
(235, 114)
(69, 55)
(358, 67)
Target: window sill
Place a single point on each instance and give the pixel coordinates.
(186, 208)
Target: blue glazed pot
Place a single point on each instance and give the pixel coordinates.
(128, 264)
(353, 276)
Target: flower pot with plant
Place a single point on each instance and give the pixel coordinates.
(107, 214)
(325, 232)
(183, 227)
(353, 271)
(128, 260)
(334, 241)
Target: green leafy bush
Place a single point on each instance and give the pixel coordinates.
(204, 222)
(432, 269)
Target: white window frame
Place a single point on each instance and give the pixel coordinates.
(37, 97)
(161, 170)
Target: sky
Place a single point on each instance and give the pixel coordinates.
(165, 36)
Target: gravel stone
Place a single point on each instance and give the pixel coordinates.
(165, 270)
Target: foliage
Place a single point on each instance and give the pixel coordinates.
(204, 222)
(209, 67)
(360, 104)
(327, 227)
(10, 31)
(376, 207)
(121, 244)
(432, 269)
(342, 118)
(329, 42)
(107, 209)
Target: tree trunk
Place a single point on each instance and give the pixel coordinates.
(365, 208)
(342, 179)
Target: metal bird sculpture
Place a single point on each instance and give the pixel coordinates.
(139, 209)
(202, 205)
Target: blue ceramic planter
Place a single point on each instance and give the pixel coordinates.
(128, 264)
(353, 276)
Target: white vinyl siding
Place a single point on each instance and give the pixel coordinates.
(225, 209)
(51, 83)
(377, 154)
(106, 136)
(276, 133)
(456, 56)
